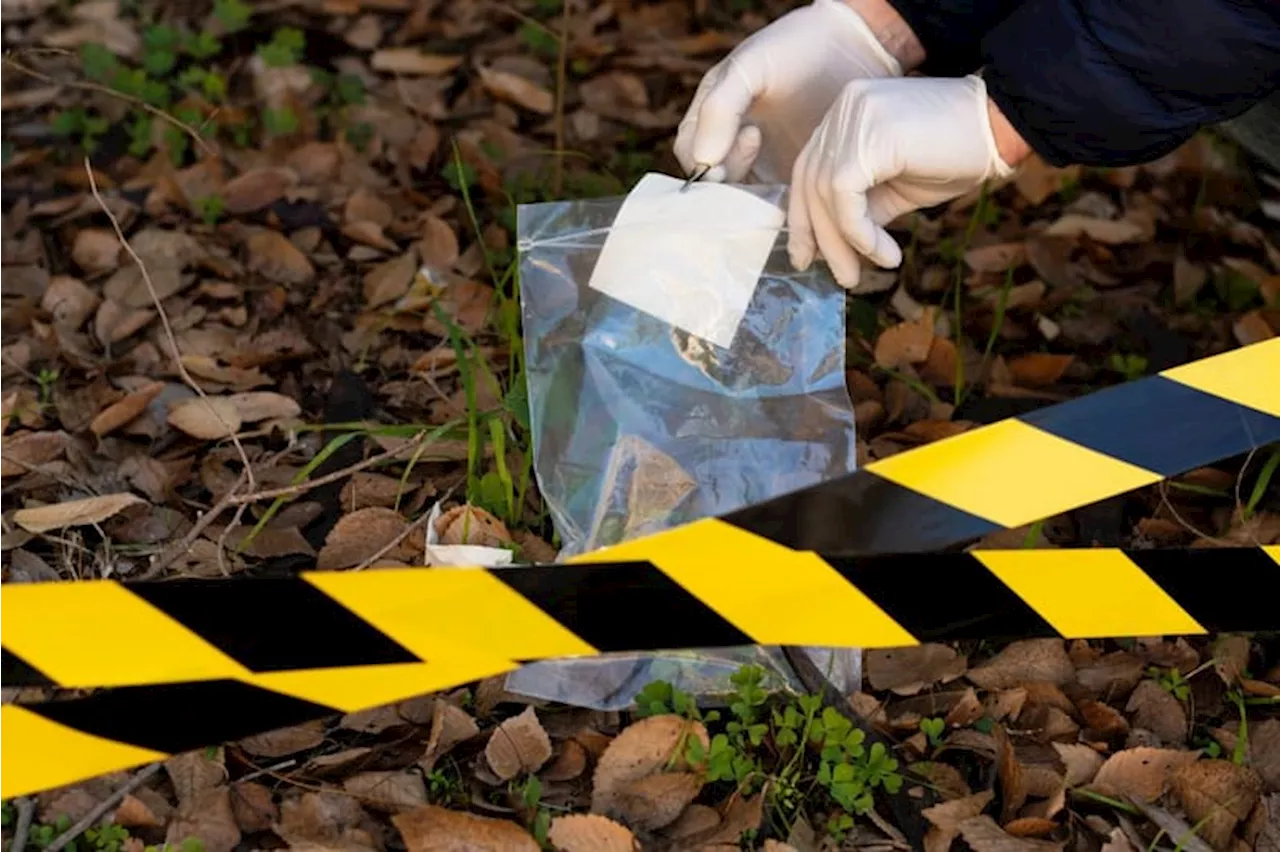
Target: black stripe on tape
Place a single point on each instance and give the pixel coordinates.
(636, 609)
(1236, 589)
(860, 514)
(1158, 424)
(178, 717)
(15, 671)
(942, 596)
(272, 625)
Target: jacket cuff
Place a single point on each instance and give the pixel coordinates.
(951, 31)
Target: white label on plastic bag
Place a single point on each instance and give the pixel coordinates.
(691, 259)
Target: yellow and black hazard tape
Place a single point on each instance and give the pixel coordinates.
(184, 664)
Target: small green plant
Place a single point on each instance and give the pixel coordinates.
(529, 792)
(43, 834)
(280, 122)
(1171, 681)
(82, 125)
(1263, 484)
(190, 844)
(46, 379)
(458, 174)
(444, 786)
(284, 49)
(107, 838)
(933, 728)
(210, 208)
(1128, 365)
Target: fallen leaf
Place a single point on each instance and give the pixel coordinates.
(207, 418)
(1036, 180)
(590, 833)
(520, 744)
(655, 801)
(1117, 841)
(1030, 827)
(74, 513)
(983, 835)
(450, 725)
(23, 451)
(643, 749)
(69, 301)
(996, 258)
(364, 205)
(1103, 720)
(1082, 762)
(1216, 794)
(114, 322)
(323, 820)
(285, 741)
(273, 257)
(947, 817)
(358, 536)
(742, 813)
(570, 761)
(1025, 661)
(1014, 787)
(439, 244)
(124, 411)
(253, 806)
(242, 378)
(1264, 752)
(253, 406)
(373, 489)
(940, 367)
(411, 61)
(908, 670)
(315, 162)
(388, 281)
(696, 821)
(1153, 708)
(96, 250)
(433, 829)
(391, 792)
(1110, 231)
(905, 343)
(132, 812)
(369, 234)
(194, 772)
(467, 524)
(256, 189)
(1230, 657)
(943, 777)
(208, 818)
(1140, 773)
(1039, 369)
(1251, 328)
(512, 88)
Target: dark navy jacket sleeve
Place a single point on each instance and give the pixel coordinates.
(1119, 82)
(951, 31)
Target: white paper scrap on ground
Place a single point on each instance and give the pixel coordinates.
(691, 259)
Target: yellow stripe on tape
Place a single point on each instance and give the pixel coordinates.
(1088, 594)
(40, 754)
(774, 594)
(1240, 375)
(106, 636)
(1011, 474)
(427, 610)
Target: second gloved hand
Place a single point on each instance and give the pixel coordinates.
(885, 148)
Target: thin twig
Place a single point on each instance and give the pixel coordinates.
(417, 522)
(171, 553)
(106, 90)
(26, 809)
(561, 59)
(174, 352)
(102, 807)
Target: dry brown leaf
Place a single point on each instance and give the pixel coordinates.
(512, 88)
(655, 801)
(96, 250)
(1264, 752)
(208, 818)
(254, 807)
(1230, 657)
(22, 451)
(411, 61)
(315, 162)
(1082, 762)
(996, 258)
(966, 711)
(1110, 676)
(114, 322)
(905, 343)
(644, 748)
(1140, 773)
(1216, 794)
(1030, 827)
(388, 281)
(983, 835)
(908, 670)
(273, 257)
(1039, 369)
(69, 301)
(1023, 662)
(1111, 231)
(1036, 180)
(241, 378)
(570, 762)
(256, 189)
(742, 813)
(590, 833)
(358, 536)
(324, 820)
(948, 816)
(364, 205)
(943, 777)
(74, 513)
(433, 829)
(1251, 328)
(123, 411)
(696, 821)
(391, 792)
(468, 524)
(520, 744)
(194, 772)
(132, 812)
(253, 406)
(1153, 708)
(1118, 841)
(1014, 787)
(285, 741)
(369, 234)
(940, 367)
(207, 418)
(372, 489)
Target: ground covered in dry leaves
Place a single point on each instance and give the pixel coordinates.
(260, 315)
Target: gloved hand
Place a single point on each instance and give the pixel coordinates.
(781, 80)
(885, 148)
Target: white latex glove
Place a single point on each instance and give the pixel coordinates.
(885, 148)
(758, 105)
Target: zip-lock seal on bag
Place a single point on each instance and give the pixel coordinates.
(678, 368)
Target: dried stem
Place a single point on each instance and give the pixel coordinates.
(102, 807)
(26, 810)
